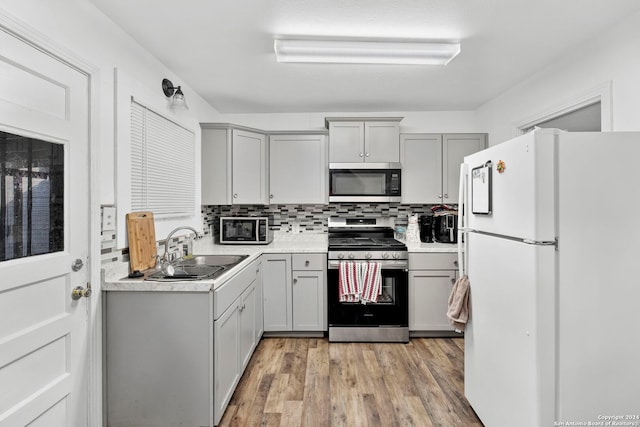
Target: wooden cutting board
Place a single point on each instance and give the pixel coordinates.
(141, 232)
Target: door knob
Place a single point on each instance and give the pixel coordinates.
(79, 292)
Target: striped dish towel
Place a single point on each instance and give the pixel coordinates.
(349, 281)
(371, 282)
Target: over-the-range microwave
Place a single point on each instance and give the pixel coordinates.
(365, 182)
(245, 230)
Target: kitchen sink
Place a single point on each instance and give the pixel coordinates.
(227, 261)
(198, 267)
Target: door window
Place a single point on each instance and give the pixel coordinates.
(31, 196)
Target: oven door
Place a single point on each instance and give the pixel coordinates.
(391, 310)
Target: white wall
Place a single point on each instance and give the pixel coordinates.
(78, 27)
(613, 57)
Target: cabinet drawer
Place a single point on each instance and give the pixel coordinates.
(309, 262)
(433, 261)
(226, 294)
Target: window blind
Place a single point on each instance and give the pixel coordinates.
(162, 169)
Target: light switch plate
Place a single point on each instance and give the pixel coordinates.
(108, 219)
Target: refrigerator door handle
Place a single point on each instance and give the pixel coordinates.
(462, 212)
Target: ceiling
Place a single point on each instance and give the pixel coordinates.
(224, 49)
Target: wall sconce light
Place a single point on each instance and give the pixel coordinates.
(175, 93)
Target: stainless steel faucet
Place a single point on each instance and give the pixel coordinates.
(164, 262)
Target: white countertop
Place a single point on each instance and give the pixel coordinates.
(116, 273)
(432, 247)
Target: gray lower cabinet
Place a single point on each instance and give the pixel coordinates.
(309, 292)
(431, 278)
(175, 358)
(295, 292)
(276, 280)
(235, 333)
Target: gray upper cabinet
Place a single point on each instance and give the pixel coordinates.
(421, 167)
(234, 165)
(249, 161)
(431, 165)
(298, 169)
(373, 140)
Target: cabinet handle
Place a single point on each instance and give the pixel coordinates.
(295, 280)
(367, 154)
(361, 154)
(306, 263)
(235, 196)
(453, 281)
(439, 196)
(271, 196)
(446, 196)
(455, 263)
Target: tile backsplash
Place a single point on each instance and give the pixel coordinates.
(310, 218)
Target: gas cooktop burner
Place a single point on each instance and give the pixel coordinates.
(364, 243)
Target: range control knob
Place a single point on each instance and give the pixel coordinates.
(385, 255)
(367, 255)
(340, 255)
(351, 256)
(396, 255)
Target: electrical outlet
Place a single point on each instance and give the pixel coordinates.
(108, 218)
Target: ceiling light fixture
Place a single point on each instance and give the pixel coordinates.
(175, 93)
(365, 52)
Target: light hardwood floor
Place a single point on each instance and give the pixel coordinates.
(311, 382)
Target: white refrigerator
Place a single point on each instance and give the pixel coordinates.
(551, 248)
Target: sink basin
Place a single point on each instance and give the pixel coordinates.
(198, 267)
(212, 260)
(188, 272)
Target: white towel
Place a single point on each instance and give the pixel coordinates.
(458, 310)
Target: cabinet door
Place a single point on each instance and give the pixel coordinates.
(227, 358)
(309, 305)
(249, 168)
(247, 325)
(421, 157)
(216, 167)
(346, 142)
(381, 142)
(454, 148)
(298, 169)
(276, 285)
(429, 292)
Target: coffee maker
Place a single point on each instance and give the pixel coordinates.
(426, 228)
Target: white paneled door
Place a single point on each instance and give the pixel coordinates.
(44, 162)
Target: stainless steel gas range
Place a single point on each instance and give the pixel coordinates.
(364, 241)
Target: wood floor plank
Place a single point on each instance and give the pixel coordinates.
(310, 382)
(291, 413)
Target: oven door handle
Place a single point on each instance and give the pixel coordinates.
(386, 265)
